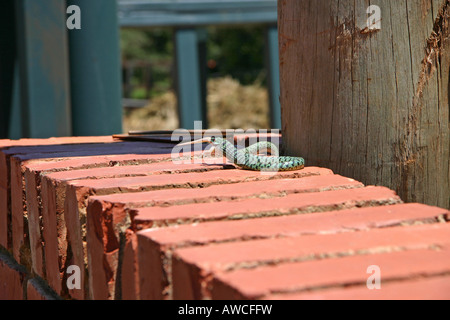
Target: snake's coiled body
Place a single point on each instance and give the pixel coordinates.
(249, 159)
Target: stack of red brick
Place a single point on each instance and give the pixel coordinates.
(139, 226)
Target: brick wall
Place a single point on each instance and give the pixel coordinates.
(139, 226)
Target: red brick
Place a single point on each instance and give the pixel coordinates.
(5, 219)
(34, 168)
(29, 154)
(33, 214)
(215, 193)
(5, 216)
(11, 283)
(435, 288)
(9, 148)
(210, 194)
(12, 147)
(291, 204)
(247, 284)
(102, 279)
(130, 269)
(304, 224)
(191, 267)
(37, 289)
(12, 277)
(53, 197)
(33, 292)
(73, 220)
(67, 147)
(131, 171)
(155, 182)
(154, 269)
(155, 246)
(20, 241)
(47, 165)
(55, 235)
(33, 197)
(191, 180)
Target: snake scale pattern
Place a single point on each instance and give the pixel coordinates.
(248, 158)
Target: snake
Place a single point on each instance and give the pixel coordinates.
(250, 159)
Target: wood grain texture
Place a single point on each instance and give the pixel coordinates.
(370, 105)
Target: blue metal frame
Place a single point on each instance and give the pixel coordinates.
(95, 69)
(187, 17)
(44, 90)
(7, 65)
(190, 78)
(44, 70)
(274, 76)
(193, 13)
(15, 130)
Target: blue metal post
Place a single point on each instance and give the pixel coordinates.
(7, 62)
(274, 76)
(95, 69)
(43, 64)
(190, 80)
(15, 118)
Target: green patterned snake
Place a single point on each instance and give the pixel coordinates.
(249, 159)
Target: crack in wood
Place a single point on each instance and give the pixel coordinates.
(435, 48)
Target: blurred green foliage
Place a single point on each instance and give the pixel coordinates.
(234, 51)
(238, 52)
(143, 44)
(154, 46)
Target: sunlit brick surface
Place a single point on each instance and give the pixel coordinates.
(143, 227)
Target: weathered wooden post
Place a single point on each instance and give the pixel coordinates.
(365, 91)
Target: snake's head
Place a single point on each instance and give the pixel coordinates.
(215, 140)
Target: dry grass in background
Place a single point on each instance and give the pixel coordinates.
(159, 114)
(230, 106)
